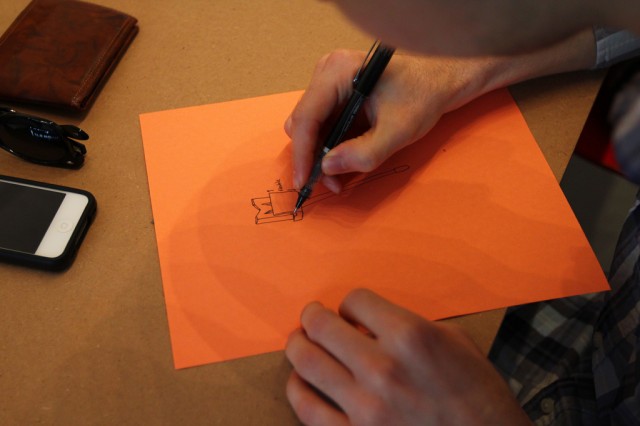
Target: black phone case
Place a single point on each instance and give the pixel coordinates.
(66, 258)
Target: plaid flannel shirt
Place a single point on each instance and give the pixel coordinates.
(576, 360)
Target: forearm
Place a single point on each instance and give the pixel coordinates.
(482, 75)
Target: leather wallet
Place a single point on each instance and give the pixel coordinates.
(59, 53)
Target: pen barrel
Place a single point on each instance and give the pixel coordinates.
(363, 85)
(374, 69)
(316, 172)
(344, 122)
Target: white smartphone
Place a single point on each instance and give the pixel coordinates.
(42, 225)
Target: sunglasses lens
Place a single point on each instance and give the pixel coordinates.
(32, 138)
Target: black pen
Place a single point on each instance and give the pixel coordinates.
(363, 83)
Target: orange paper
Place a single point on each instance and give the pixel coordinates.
(468, 219)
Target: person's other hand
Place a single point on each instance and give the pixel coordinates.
(382, 365)
(411, 96)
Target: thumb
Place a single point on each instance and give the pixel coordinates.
(361, 154)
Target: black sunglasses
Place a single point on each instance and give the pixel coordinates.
(41, 141)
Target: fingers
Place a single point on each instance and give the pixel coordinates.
(378, 315)
(343, 341)
(310, 407)
(332, 356)
(318, 367)
(351, 156)
(329, 87)
(362, 154)
(417, 380)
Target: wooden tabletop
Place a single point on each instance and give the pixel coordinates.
(91, 345)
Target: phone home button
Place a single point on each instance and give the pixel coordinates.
(64, 226)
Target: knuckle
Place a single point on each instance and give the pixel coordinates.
(317, 324)
(356, 295)
(297, 114)
(412, 335)
(334, 60)
(321, 65)
(384, 374)
(300, 357)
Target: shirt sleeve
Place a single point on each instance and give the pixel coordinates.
(614, 46)
(624, 116)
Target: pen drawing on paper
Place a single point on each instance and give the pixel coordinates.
(278, 205)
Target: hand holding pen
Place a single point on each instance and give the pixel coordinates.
(363, 83)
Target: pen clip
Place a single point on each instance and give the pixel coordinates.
(364, 63)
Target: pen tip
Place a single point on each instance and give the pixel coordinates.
(295, 211)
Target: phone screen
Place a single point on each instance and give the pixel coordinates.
(25, 215)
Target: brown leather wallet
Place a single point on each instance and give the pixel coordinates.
(59, 53)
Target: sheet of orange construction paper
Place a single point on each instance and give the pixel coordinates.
(468, 219)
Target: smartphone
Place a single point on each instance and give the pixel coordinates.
(42, 225)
